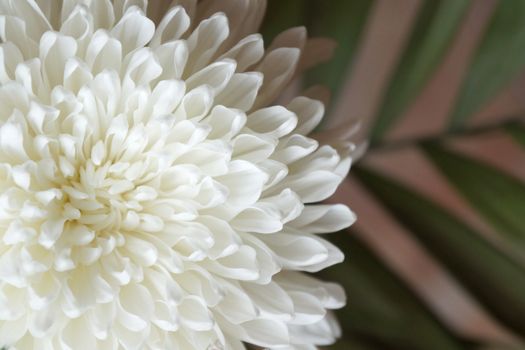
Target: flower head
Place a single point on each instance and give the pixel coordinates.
(151, 194)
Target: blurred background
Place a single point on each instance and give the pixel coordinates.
(436, 260)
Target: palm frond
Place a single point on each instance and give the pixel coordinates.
(436, 260)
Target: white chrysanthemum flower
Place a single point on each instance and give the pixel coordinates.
(149, 197)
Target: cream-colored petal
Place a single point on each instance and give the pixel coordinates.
(173, 25)
(246, 52)
(134, 30)
(309, 113)
(204, 42)
(278, 68)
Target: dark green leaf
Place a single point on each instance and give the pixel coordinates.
(504, 347)
(518, 132)
(350, 343)
(435, 27)
(343, 21)
(282, 15)
(499, 59)
(496, 280)
(381, 309)
(499, 197)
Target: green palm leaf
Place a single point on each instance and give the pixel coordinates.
(490, 275)
(499, 59)
(497, 196)
(381, 308)
(384, 312)
(437, 23)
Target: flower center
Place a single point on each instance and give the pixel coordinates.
(108, 197)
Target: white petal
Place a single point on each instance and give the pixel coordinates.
(75, 337)
(41, 323)
(265, 333)
(142, 67)
(166, 96)
(173, 25)
(313, 186)
(253, 148)
(276, 172)
(55, 50)
(293, 148)
(172, 57)
(268, 264)
(165, 316)
(257, 220)
(203, 285)
(194, 314)
(227, 241)
(11, 332)
(225, 122)
(324, 218)
(236, 305)
(244, 182)
(78, 25)
(76, 75)
(141, 251)
(77, 293)
(278, 68)
(134, 30)
(309, 113)
(245, 15)
(13, 29)
(42, 294)
(196, 104)
(103, 15)
(10, 56)
(242, 265)
(132, 315)
(101, 318)
(217, 75)
(103, 52)
(241, 91)
(331, 295)
(121, 7)
(16, 233)
(271, 300)
(35, 20)
(324, 332)
(204, 42)
(298, 251)
(246, 52)
(50, 231)
(12, 141)
(307, 308)
(275, 121)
